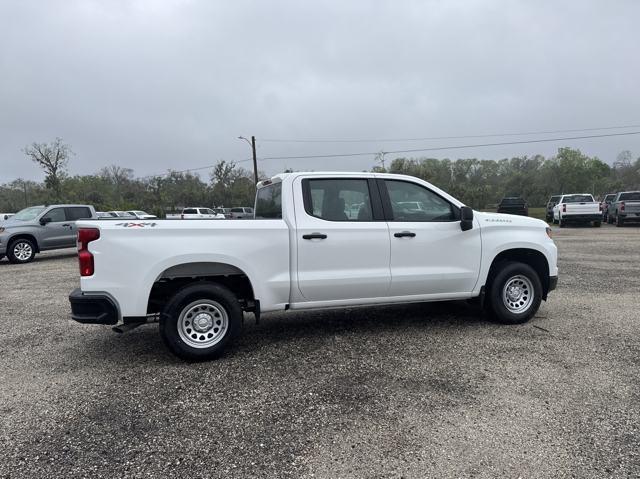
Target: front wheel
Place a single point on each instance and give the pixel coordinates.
(515, 293)
(200, 321)
(21, 250)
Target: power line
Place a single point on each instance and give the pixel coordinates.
(189, 169)
(456, 147)
(489, 135)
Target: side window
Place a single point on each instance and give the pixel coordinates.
(56, 214)
(338, 199)
(269, 202)
(412, 202)
(77, 213)
(190, 211)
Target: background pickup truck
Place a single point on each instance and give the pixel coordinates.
(41, 228)
(625, 207)
(577, 208)
(513, 205)
(318, 240)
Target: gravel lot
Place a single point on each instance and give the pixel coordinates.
(427, 390)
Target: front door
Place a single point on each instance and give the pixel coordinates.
(342, 240)
(430, 254)
(58, 233)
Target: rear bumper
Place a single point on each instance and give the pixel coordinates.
(590, 217)
(629, 216)
(93, 308)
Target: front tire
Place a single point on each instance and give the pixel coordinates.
(21, 250)
(200, 321)
(515, 293)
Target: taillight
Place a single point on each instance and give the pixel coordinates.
(85, 258)
(600, 206)
(564, 207)
(622, 206)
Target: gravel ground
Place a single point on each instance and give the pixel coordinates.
(427, 390)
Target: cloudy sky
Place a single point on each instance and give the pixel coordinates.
(159, 84)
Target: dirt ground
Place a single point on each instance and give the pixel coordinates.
(427, 390)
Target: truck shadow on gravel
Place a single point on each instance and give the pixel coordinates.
(295, 330)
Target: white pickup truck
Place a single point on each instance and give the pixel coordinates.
(318, 240)
(577, 208)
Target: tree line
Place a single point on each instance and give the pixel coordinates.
(478, 183)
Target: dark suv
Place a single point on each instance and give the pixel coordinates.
(513, 205)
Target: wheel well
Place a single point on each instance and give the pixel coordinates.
(177, 277)
(25, 236)
(531, 257)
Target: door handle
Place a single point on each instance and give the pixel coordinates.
(314, 236)
(66, 224)
(402, 234)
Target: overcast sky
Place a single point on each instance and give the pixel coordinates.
(153, 85)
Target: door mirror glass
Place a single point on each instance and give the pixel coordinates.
(466, 218)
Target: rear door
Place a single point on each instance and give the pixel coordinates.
(430, 254)
(342, 239)
(74, 213)
(58, 233)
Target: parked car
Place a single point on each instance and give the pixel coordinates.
(550, 204)
(303, 252)
(625, 207)
(576, 209)
(119, 214)
(241, 213)
(604, 205)
(513, 205)
(224, 211)
(5, 216)
(41, 228)
(141, 215)
(198, 213)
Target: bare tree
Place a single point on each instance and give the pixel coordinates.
(52, 158)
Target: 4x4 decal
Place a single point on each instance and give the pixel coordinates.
(135, 225)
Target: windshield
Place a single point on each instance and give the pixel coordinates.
(609, 197)
(28, 214)
(577, 199)
(631, 196)
(140, 213)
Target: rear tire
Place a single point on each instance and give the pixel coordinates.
(200, 321)
(515, 293)
(619, 221)
(21, 250)
(561, 223)
(609, 219)
(597, 224)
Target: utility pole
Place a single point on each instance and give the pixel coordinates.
(255, 159)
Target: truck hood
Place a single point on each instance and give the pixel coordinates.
(502, 219)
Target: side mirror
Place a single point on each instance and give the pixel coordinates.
(45, 220)
(466, 218)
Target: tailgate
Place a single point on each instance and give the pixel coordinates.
(631, 207)
(582, 208)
